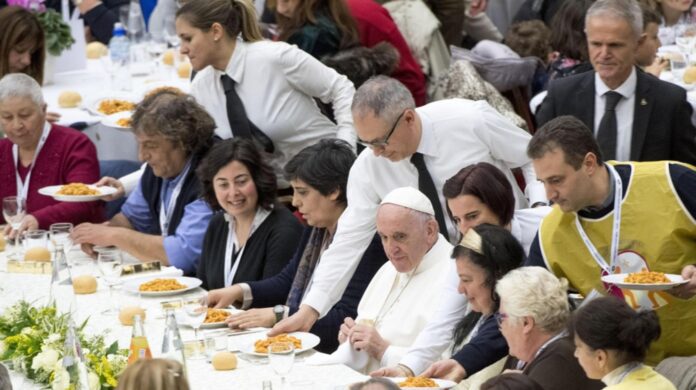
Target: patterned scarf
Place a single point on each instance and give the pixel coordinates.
(319, 239)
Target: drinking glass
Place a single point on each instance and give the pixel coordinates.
(281, 356)
(110, 265)
(678, 68)
(196, 308)
(13, 210)
(35, 239)
(60, 237)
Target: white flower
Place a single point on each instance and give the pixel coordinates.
(45, 360)
(61, 380)
(93, 380)
(2, 347)
(52, 338)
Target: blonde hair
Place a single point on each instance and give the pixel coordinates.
(537, 293)
(154, 374)
(235, 16)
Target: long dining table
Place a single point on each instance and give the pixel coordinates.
(250, 373)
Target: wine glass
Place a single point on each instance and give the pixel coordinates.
(13, 210)
(110, 265)
(196, 308)
(281, 357)
(60, 237)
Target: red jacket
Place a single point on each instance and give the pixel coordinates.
(375, 25)
(68, 156)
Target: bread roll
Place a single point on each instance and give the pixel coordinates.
(690, 75)
(128, 312)
(168, 57)
(224, 361)
(184, 70)
(69, 99)
(37, 254)
(84, 284)
(96, 50)
(2, 242)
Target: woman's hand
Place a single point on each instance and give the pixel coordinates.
(29, 222)
(252, 318)
(224, 297)
(111, 182)
(448, 369)
(657, 66)
(52, 117)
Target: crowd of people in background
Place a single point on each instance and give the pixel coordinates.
(318, 181)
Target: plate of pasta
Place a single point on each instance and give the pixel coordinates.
(112, 104)
(119, 120)
(303, 341)
(159, 286)
(645, 280)
(419, 382)
(77, 192)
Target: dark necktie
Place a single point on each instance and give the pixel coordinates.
(240, 124)
(427, 187)
(606, 136)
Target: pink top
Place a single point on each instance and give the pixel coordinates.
(68, 156)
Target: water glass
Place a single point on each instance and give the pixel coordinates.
(196, 309)
(35, 239)
(13, 210)
(60, 237)
(110, 266)
(281, 357)
(678, 68)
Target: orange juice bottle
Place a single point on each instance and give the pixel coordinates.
(139, 347)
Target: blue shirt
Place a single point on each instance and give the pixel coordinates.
(184, 247)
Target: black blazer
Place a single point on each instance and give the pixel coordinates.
(266, 252)
(662, 127)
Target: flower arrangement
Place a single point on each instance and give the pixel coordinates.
(33, 340)
(57, 32)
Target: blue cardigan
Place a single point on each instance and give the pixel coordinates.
(274, 291)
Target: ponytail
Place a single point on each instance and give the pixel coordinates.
(247, 17)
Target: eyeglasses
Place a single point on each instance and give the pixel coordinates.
(384, 141)
(499, 317)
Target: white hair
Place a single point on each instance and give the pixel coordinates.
(19, 85)
(537, 293)
(628, 10)
(384, 97)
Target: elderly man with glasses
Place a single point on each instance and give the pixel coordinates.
(409, 146)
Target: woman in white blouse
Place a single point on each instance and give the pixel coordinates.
(276, 82)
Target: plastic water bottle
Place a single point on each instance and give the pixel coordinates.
(119, 51)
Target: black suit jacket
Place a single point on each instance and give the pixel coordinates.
(662, 127)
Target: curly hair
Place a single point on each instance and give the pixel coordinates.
(177, 117)
(535, 292)
(245, 152)
(154, 374)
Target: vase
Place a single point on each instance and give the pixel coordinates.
(49, 68)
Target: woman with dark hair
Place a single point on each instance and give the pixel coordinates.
(259, 89)
(569, 40)
(255, 236)
(319, 27)
(22, 43)
(611, 341)
(318, 174)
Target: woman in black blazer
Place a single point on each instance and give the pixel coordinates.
(253, 237)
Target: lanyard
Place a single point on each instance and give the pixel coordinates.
(167, 210)
(618, 194)
(23, 187)
(259, 217)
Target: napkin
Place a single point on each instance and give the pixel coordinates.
(345, 354)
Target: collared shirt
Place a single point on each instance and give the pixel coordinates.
(277, 83)
(184, 247)
(618, 374)
(456, 133)
(624, 112)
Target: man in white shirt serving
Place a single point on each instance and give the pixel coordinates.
(437, 139)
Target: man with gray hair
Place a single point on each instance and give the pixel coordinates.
(400, 298)
(634, 115)
(418, 147)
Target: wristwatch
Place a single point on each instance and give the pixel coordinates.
(279, 311)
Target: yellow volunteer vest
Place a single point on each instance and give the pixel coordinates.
(655, 225)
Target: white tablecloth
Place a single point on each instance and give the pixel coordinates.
(35, 288)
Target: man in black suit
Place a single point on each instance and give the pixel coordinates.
(650, 119)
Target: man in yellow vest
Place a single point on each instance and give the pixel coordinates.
(618, 217)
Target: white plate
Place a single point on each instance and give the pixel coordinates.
(309, 341)
(93, 105)
(103, 191)
(181, 319)
(618, 280)
(133, 286)
(441, 383)
(112, 120)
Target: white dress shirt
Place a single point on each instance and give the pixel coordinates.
(400, 304)
(277, 83)
(456, 133)
(624, 112)
(437, 335)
